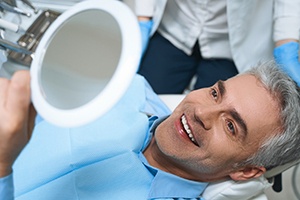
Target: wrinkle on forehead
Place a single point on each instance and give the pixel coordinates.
(262, 107)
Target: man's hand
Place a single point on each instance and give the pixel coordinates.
(15, 114)
(145, 24)
(287, 56)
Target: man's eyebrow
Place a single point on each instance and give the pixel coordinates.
(234, 114)
(221, 88)
(237, 117)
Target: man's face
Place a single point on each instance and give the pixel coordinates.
(214, 128)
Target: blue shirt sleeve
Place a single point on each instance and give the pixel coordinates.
(7, 188)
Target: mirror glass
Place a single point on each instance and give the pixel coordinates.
(80, 59)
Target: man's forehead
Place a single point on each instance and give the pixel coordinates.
(257, 107)
(243, 78)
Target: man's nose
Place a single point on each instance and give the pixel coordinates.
(207, 115)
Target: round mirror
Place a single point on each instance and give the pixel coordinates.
(85, 62)
(80, 59)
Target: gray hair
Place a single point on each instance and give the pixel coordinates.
(284, 146)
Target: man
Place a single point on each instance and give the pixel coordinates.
(236, 129)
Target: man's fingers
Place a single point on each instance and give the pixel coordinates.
(3, 90)
(18, 93)
(14, 108)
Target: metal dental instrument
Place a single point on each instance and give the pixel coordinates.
(13, 3)
(32, 37)
(16, 10)
(7, 45)
(28, 3)
(6, 25)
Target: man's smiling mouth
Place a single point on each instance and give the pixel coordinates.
(188, 130)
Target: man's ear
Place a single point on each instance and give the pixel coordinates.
(247, 173)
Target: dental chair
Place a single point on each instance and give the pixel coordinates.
(237, 190)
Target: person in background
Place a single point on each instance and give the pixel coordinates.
(214, 40)
(234, 130)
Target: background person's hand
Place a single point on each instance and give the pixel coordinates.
(145, 27)
(15, 114)
(287, 56)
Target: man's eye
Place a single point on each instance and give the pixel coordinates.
(214, 94)
(230, 127)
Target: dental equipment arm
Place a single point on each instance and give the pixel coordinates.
(12, 9)
(7, 45)
(28, 3)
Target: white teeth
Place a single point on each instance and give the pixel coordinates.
(187, 128)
